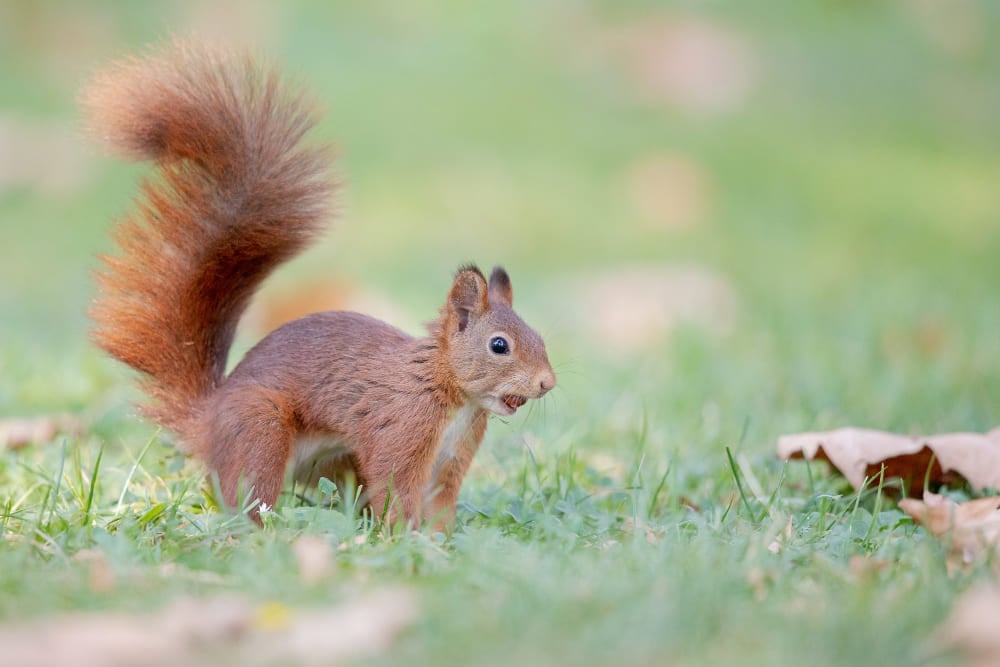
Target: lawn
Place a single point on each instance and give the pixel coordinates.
(794, 209)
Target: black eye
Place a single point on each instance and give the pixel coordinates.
(498, 345)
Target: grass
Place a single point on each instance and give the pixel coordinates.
(635, 516)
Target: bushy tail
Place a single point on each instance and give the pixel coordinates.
(234, 197)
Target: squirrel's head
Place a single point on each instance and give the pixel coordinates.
(497, 360)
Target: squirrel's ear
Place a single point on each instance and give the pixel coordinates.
(466, 299)
(500, 288)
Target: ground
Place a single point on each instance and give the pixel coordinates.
(808, 190)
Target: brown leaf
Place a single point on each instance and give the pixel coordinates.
(202, 631)
(121, 639)
(688, 63)
(17, 432)
(633, 526)
(337, 634)
(632, 308)
(669, 191)
(277, 306)
(971, 628)
(314, 556)
(779, 541)
(236, 23)
(971, 528)
(957, 27)
(44, 156)
(865, 567)
(101, 577)
(760, 582)
(859, 453)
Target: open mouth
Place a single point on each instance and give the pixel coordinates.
(514, 402)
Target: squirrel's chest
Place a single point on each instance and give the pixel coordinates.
(459, 440)
(457, 432)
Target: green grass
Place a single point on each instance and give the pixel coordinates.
(627, 519)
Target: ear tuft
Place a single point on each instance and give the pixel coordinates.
(467, 297)
(501, 290)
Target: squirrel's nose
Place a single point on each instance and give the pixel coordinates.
(546, 380)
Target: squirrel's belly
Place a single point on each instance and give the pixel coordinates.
(320, 456)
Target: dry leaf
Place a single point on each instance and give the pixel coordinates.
(201, 631)
(669, 191)
(357, 541)
(101, 578)
(236, 23)
(634, 307)
(688, 63)
(779, 541)
(957, 27)
(314, 556)
(177, 572)
(860, 453)
(335, 635)
(971, 528)
(864, 567)
(971, 628)
(44, 156)
(759, 582)
(606, 464)
(630, 526)
(122, 640)
(280, 305)
(17, 432)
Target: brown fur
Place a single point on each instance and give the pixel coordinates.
(236, 197)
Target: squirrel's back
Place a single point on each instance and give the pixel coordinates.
(235, 196)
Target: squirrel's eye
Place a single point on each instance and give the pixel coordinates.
(498, 345)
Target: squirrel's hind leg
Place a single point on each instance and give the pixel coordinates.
(249, 444)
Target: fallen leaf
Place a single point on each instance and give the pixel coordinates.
(176, 573)
(687, 62)
(204, 631)
(100, 578)
(669, 191)
(632, 308)
(606, 464)
(957, 27)
(970, 529)
(314, 556)
(652, 535)
(235, 23)
(272, 616)
(779, 541)
(864, 567)
(335, 635)
(17, 432)
(759, 583)
(281, 305)
(44, 156)
(62, 43)
(690, 504)
(971, 627)
(120, 639)
(860, 453)
(926, 339)
(357, 541)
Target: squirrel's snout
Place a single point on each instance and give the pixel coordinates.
(545, 381)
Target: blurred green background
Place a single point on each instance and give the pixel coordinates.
(729, 220)
(793, 206)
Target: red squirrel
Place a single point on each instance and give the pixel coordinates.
(333, 393)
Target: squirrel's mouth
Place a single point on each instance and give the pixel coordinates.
(513, 402)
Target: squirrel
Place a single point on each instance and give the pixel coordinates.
(331, 394)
